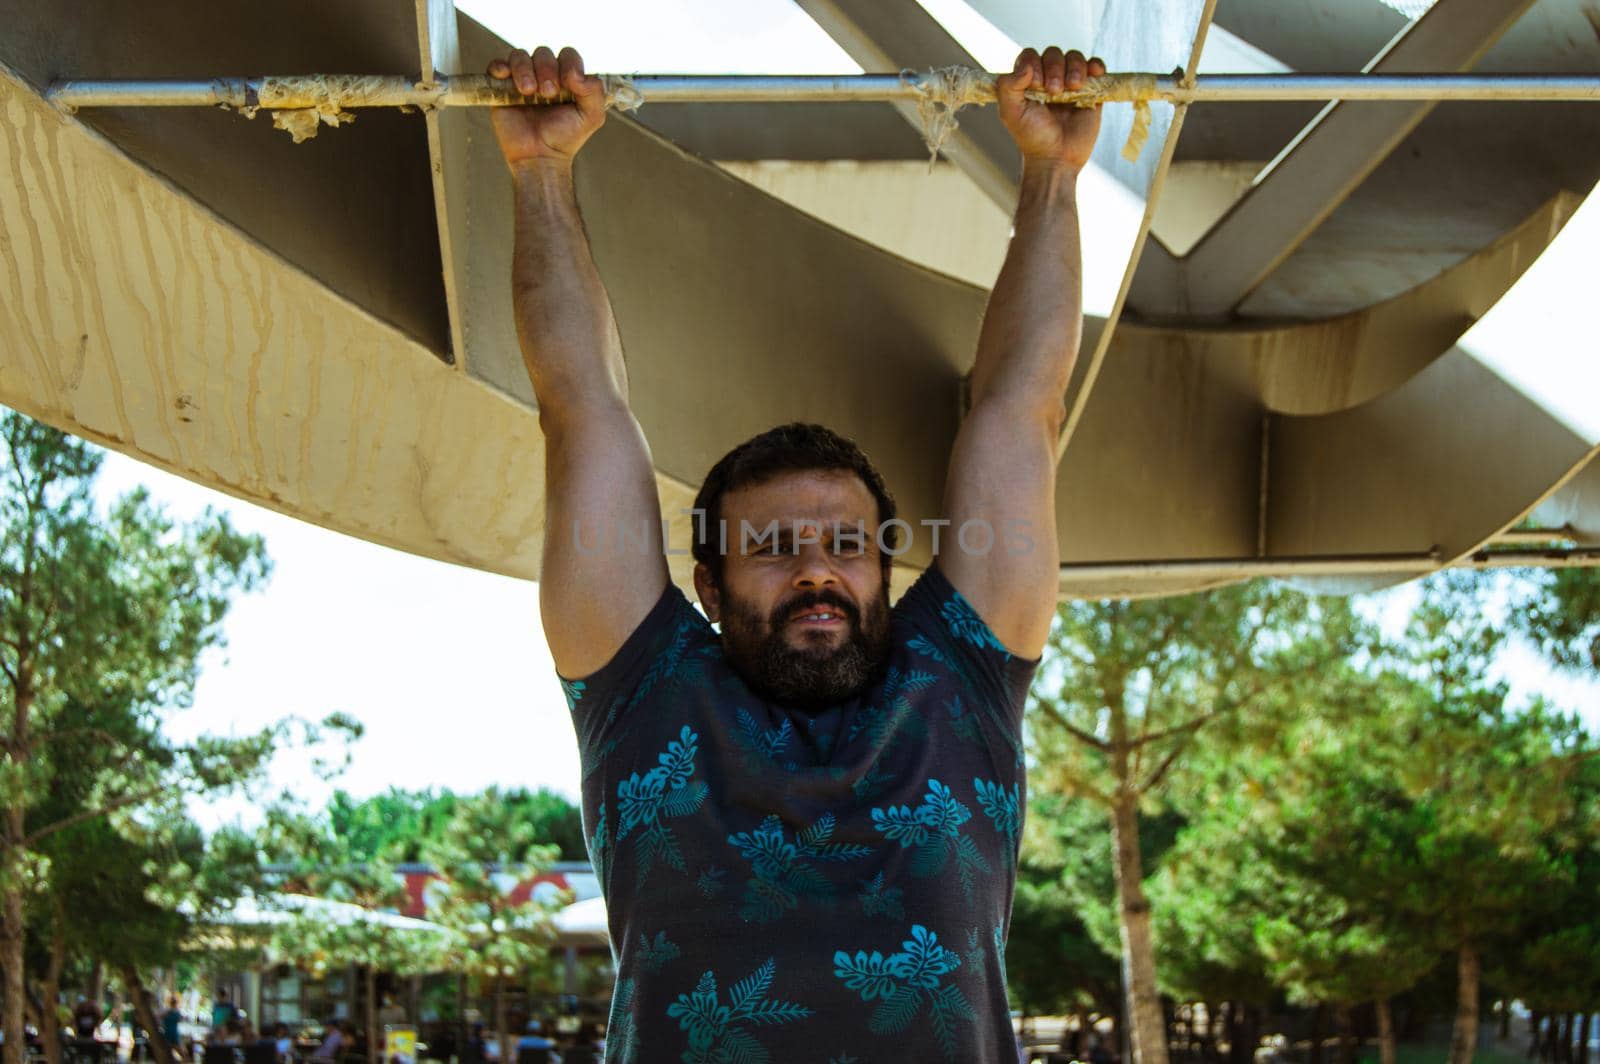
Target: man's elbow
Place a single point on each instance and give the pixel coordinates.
(1053, 417)
(1046, 414)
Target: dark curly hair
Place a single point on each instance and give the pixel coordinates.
(793, 448)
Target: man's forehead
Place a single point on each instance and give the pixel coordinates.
(812, 495)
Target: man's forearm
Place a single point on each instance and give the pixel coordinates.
(1034, 318)
(568, 335)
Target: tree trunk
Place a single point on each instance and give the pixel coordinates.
(1564, 1040)
(49, 1017)
(1314, 1056)
(1583, 1039)
(12, 941)
(1146, 1024)
(1534, 1019)
(1505, 1021)
(1347, 1045)
(144, 1010)
(1464, 1039)
(1246, 1036)
(1385, 1032)
(461, 1016)
(508, 1052)
(374, 1050)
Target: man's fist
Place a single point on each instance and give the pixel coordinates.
(1053, 133)
(547, 130)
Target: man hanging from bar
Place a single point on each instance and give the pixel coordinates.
(806, 827)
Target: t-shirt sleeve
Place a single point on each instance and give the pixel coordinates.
(944, 626)
(600, 702)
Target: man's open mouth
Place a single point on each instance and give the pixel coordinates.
(818, 617)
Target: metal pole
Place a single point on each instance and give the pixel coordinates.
(476, 90)
(1331, 565)
(1245, 568)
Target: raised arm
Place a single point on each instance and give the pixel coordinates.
(1003, 467)
(596, 583)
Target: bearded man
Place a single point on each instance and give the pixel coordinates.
(805, 825)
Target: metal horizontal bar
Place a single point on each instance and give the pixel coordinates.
(1329, 565)
(1534, 537)
(476, 90)
(1555, 558)
(1245, 568)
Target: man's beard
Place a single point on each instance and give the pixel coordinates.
(810, 677)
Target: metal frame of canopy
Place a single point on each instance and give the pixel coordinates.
(476, 90)
(1341, 565)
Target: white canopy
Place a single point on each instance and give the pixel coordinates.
(583, 923)
(273, 909)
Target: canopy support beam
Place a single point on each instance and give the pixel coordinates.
(477, 90)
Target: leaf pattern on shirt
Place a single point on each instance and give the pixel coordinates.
(891, 721)
(933, 832)
(880, 900)
(682, 662)
(964, 623)
(905, 984)
(599, 856)
(711, 881)
(1004, 809)
(573, 689)
(665, 791)
(784, 872)
(962, 723)
(761, 746)
(655, 953)
(622, 1029)
(718, 1032)
(977, 955)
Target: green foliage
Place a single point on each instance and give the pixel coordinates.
(320, 937)
(1341, 815)
(1053, 964)
(1404, 813)
(399, 823)
(1127, 686)
(485, 847)
(1127, 690)
(1553, 963)
(1560, 611)
(104, 616)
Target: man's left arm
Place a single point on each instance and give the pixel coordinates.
(1001, 483)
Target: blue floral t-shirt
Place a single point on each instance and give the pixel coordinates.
(797, 888)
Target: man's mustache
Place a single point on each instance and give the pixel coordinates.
(810, 600)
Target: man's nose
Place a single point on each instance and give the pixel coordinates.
(813, 565)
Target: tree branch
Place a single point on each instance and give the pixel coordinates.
(1161, 770)
(89, 814)
(1077, 733)
(66, 733)
(1192, 725)
(1086, 790)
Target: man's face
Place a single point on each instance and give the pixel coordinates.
(803, 601)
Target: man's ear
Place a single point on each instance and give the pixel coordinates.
(706, 587)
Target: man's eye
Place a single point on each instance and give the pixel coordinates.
(849, 548)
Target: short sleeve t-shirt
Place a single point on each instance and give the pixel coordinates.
(801, 887)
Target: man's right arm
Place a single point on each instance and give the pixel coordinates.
(597, 581)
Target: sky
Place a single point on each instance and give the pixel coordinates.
(446, 667)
